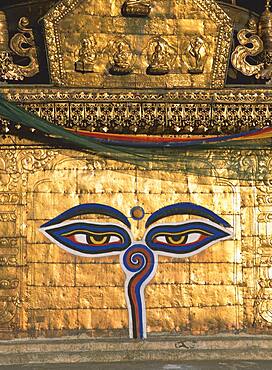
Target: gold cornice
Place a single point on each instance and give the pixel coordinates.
(176, 112)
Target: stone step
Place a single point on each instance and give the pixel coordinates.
(78, 350)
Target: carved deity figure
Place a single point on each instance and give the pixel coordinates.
(160, 58)
(136, 8)
(121, 58)
(158, 61)
(196, 55)
(87, 56)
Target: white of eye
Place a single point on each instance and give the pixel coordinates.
(193, 237)
(80, 238)
(161, 239)
(114, 239)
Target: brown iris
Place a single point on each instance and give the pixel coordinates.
(176, 239)
(98, 239)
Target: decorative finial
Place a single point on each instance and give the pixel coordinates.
(267, 6)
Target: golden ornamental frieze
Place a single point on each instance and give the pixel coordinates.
(186, 46)
(57, 94)
(172, 113)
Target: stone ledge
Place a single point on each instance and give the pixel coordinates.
(80, 350)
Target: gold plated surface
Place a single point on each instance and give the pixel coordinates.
(46, 291)
(180, 25)
(130, 52)
(4, 38)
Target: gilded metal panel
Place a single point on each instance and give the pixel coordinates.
(179, 44)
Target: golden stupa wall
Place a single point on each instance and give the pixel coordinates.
(47, 291)
(44, 290)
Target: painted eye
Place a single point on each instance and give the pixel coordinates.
(88, 238)
(93, 239)
(187, 238)
(180, 238)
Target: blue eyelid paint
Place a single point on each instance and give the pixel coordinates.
(186, 209)
(89, 208)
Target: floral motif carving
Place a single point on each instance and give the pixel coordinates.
(8, 308)
(9, 283)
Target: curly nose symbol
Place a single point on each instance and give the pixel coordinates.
(139, 264)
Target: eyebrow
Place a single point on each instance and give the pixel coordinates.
(185, 209)
(89, 208)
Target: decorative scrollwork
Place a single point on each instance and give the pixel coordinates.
(9, 283)
(239, 57)
(263, 298)
(35, 160)
(23, 44)
(255, 41)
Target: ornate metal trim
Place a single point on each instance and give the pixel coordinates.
(51, 20)
(220, 64)
(59, 94)
(169, 113)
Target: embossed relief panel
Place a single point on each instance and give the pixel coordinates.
(178, 44)
(11, 245)
(15, 166)
(263, 254)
